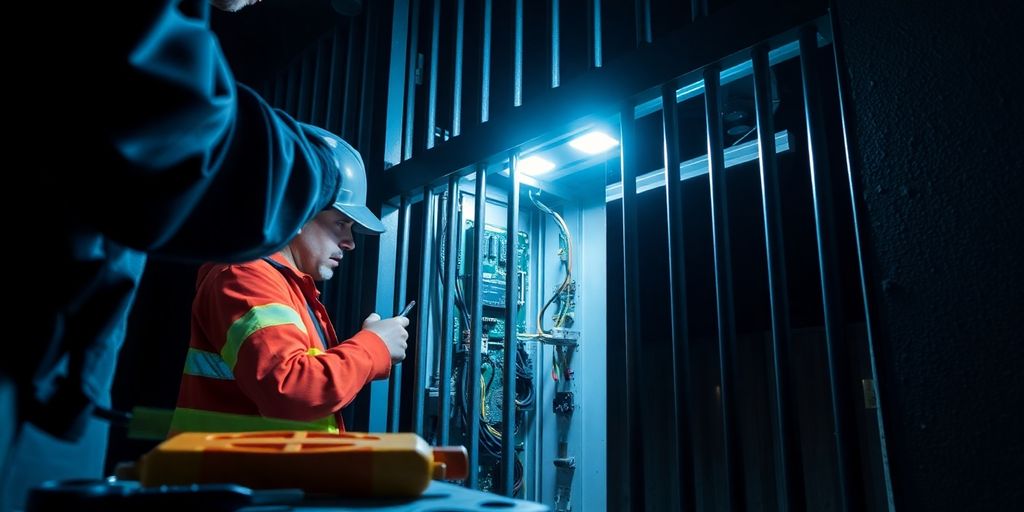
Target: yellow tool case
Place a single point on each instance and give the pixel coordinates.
(347, 464)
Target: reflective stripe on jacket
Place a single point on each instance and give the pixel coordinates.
(255, 361)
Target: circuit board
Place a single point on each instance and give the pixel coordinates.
(494, 271)
(493, 274)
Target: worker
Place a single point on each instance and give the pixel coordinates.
(263, 354)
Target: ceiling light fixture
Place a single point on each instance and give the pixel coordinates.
(593, 143)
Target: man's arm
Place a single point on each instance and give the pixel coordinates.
(213, 172)
(263, 339)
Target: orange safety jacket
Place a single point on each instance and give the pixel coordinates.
(255, 359)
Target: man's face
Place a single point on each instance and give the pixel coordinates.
(321, 245)
(232, 5)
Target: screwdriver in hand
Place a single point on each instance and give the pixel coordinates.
(407, 308)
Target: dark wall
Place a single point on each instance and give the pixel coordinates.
(151, 361)
(263, 38)
(936, 103)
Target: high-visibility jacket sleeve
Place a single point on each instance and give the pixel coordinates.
(274, 353)
(214, 172)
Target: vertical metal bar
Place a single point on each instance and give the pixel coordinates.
(410, 81)
(536, 459)
(595, 11)
(508, 410)
(828, 263)
(368, 91)
(305, 91)
(349, 100)
(787, 439)
(723, 289)
(485, 64)
(435, 29)
(631, 284)
(860, 238)
(517, 56)
(476, 331)
(460, 30)
(447, 337)
(335, 81)
(423, 320)
(438, 292)
(401, 281)
(642, 13)
(317, 105)
(683, 496)
(555, 44)
(393, 119)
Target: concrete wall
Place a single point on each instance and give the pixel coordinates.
(936, 103)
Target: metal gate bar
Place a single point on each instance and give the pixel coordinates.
(423, 319)
(401, 280)
(508, 435)
(435, 36)
(683, 496)
(476, 332)
(448, 337)
(828, 262)
(723, 291)
(787, 439)
(631, 272)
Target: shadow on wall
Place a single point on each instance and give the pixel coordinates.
(263, 38)
(150, 364)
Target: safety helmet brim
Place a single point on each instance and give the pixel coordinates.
(365, 221)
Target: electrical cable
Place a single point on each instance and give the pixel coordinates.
(566, 282)
(517, 475)
(460, 301)
(525, 396)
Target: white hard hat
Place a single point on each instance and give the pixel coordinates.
(351, 198)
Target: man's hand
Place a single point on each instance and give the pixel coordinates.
(392, 331)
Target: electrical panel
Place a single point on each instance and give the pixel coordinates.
(559, 344)
(494, 268)
(547, 395)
